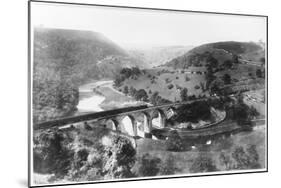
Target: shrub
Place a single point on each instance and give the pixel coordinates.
(246, 160)
(174, 142)
(197, 87)
(141, 95)
(170, 86)
(183, 94)
(125, 90)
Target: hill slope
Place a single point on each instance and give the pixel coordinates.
(64, 59)
(156, 56)
(222, 51)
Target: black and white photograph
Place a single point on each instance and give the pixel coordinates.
(126, 93)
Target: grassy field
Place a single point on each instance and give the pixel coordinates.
(158, 80)
(169, 81)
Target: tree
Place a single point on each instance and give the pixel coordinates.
(174, 142)
(141, 95)
(227, 64)
(262, 60)
(154, 98)
(246, 160)
(183, 94)
(225, 161)
(242, 113)
(197, 87)
(259, 73)
(226, 78)
(202, 85)
(170, 86)
(118, 80)
(210, 77)
(212, 62)
(126, 90)
(202, 163)
(51, 154)
(120, 158)
(235, 59)
(215, 87)
(254, 157)
(132, 91)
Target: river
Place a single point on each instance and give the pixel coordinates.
(89, 100)
(100, 95)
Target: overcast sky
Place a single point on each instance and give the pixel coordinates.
(129, 27)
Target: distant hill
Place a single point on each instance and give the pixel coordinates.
(155, 56)
(221, 51)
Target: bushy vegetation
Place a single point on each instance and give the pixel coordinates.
(174, 142)
(199, 110)
(52, 153)
(72, 157)
(126, 73)
(53, 98)
(242, 113)
(240, 159)
(155, 99)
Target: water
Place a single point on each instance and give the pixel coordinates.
(91, 104)
(91, 101)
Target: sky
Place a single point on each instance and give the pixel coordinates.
(138, 27)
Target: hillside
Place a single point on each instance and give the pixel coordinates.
(211, 69)
(63, 60)
(155, 56)
(222, 51)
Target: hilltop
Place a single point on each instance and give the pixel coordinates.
(221, 51)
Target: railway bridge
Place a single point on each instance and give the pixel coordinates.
(136, 121)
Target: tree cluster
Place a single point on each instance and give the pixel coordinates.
(54, 153)
(240, 158)
(126, 73)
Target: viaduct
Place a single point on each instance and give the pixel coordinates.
(133, 121)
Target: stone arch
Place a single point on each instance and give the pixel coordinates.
(147, 126)
(112, 124)
(128, 125)
(158, 118)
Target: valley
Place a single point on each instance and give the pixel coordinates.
(179, 106)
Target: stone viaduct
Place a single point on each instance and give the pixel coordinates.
(133, 121)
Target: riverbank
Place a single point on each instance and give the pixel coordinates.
(100, 95)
